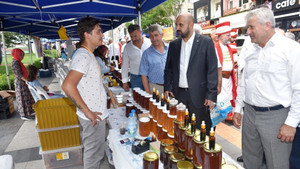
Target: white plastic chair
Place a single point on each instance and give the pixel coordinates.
(37, 93)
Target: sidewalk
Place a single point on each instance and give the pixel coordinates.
(19, 138)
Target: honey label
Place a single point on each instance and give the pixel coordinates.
(62, 156)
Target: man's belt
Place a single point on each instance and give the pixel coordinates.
(262, 109)
(159, 84)
(226, 74)
(185, 89)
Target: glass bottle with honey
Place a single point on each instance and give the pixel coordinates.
(162, 100)
(212, 139)
(168, 104)
(154, 94)
(193, 124)
(157, 96)
(203, 131)
(186, 118)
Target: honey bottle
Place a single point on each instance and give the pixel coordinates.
(157, 96)
(193, 124)
(212, 139)
(162, 100)
(168, 104)
(203, 131)
(154, 94)
(186, 118)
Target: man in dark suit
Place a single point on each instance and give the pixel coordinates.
(191, 72)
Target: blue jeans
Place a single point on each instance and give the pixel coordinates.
(295, 154)
(136, 81)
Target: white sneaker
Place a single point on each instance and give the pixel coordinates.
(25, 118)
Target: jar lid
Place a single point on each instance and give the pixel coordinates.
(170, 149)
(175, 157)
(166, 142)
(178, 122)
(184, 165)
(188, 132)
(196, 139)
(150, 156)
(218, 148)
(229, 166)
(172, 116)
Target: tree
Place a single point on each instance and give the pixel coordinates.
(163, 14)
(12, 38)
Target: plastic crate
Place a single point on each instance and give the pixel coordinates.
(63, 158)
(57, 138)
(52, 113)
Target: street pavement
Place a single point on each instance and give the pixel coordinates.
(20, 139)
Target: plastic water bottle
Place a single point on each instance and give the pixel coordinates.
(131, 123)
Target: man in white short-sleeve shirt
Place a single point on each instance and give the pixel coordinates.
(83, 85)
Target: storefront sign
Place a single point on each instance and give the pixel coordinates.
(168, 34)
(204, 24)
(281, 5)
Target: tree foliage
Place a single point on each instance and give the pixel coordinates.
(12, 38)
(163, 14)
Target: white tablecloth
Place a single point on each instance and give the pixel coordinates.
(124, 159)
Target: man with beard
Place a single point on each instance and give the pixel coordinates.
(132, 57)
(191, 72)
(225, 53)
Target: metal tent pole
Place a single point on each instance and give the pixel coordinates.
(29, 48)
(5, 56)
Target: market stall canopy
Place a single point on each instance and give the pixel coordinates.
(44, 18)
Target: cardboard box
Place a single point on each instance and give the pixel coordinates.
(7, 100)
(63, 158)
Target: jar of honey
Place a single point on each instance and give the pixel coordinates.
(180, 110)
(165, 119)
(154, 127)
(173, 103)
(151, 101)
(176, 130)
(184, 165)
(155, 109)
(159, 115)
(198, 152)
(151, 123)
(147, 101)
(189, 143)
(212, 157)
(174, 158)
(165, 134)
(159, 132)
(171, 119)
(150, 160)
(163, 144)
(168, 151)
(181, 137)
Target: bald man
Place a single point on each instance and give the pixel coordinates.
(191, 72)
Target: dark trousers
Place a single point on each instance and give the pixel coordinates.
(202, 113)
(295, 154)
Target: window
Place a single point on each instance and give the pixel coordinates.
(191, 11)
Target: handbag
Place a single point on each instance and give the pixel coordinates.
(221, 109)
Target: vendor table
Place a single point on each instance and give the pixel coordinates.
(122, 156)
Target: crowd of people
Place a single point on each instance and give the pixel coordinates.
(196, 70)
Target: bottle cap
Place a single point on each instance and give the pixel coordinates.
(186, 112)
(153, 89)
(162, 96)
(157, 92)
(132, 111)
(212, 132)
(130, 114)
(203, 125)
(193, 117)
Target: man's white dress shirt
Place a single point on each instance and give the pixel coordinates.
(271, 77)
(131, 58)
(185, 53)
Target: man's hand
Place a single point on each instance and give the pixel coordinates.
(167, 93)
(126, 87)
(236, 119)
(286, 133)
(93, 116)
(209, 103)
